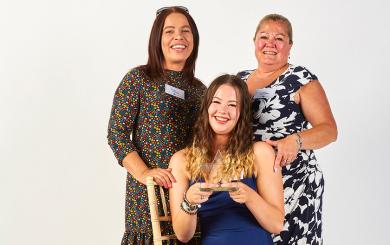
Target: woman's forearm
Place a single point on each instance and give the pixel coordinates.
(269, 217)
(317, 111)
(318, 136)
(184, 225)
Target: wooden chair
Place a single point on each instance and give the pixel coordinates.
(154, 214)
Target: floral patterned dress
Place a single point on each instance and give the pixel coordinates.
(154, 118)
(275, 116)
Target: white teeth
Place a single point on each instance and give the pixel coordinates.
(269, 52)
(178, 46)
(221, 119)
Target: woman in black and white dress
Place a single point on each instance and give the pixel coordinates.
(291, 113)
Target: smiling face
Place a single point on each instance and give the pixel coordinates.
(224, 110)
(176, 41)
(272, 44)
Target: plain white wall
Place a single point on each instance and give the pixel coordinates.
(61, 61)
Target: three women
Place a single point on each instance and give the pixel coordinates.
(153, 116)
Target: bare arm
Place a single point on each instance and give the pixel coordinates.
(266, 204)
(184, 224)
(316, 108)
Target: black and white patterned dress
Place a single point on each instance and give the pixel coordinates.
(275, 116)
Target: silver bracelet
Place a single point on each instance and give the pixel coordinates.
(299, 141)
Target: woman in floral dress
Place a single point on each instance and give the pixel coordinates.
(286, 100)
(153, 113)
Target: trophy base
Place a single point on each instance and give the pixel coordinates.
(219, 188)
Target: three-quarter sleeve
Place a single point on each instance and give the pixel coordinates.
(123, 116)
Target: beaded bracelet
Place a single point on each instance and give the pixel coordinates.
(189, 208)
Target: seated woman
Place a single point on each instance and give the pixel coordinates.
(253, 206)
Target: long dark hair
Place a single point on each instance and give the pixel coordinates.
(239, 149)
(154, 68)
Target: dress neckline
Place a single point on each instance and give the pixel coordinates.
(172, 73)
(275, 81)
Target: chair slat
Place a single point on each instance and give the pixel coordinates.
(154, 215)
(153, 211)
(164, 201)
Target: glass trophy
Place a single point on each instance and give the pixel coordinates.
(212, 170)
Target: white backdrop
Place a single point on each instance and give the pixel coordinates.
(61, 61)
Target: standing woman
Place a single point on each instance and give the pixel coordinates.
(286, 100)
(153, 113)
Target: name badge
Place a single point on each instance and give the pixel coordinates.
(264, 93)
(174, 91)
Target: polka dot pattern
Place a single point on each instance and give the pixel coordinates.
(146, 119)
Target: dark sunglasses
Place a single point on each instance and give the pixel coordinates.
(160, 10)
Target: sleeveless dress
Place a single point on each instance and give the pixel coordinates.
(226, 222)
(275, 116)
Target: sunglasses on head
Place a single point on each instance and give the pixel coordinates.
(160, 10)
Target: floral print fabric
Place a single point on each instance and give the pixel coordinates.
(275, 116)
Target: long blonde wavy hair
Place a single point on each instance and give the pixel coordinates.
(237, 157)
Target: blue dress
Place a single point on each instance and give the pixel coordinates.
(226, 222)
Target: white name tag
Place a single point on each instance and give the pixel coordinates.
(174, 91)
(264, 93)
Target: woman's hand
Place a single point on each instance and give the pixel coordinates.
(163, 177)
(194, 194)
(242, 194)
(286, 150)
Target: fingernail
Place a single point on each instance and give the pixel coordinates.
(275, 169)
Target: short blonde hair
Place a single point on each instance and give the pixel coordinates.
(280, 19)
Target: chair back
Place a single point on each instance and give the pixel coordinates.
(155, 217)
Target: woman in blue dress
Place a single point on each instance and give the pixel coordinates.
(222, 156)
